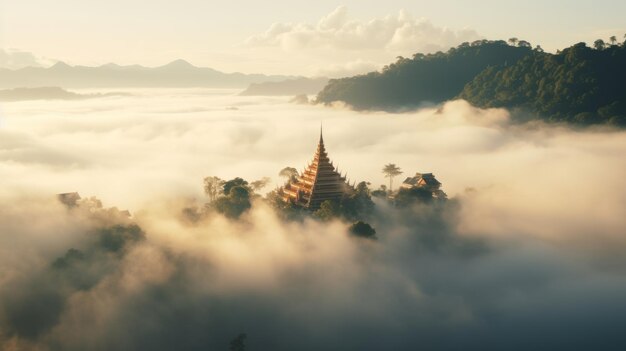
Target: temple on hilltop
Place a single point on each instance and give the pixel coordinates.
(320, 181)
(426, 181)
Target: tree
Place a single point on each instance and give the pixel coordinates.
(236, 203)
(409, 197)
(513, 41)
(212, 187)
(538, 48)
(260, 184)
(328, 210)
(524, 44)
(357, 205)
(390, 171)
(599, 44)
(380, 192)
(363, 230)
(613, 40)
(288, 172)
(233, 183)
(238, 343)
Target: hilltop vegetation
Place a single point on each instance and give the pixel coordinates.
(579, 85)
(432, 78)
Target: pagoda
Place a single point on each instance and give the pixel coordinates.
(320, 181)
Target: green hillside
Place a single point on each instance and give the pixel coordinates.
(580, 85)
(422, 79)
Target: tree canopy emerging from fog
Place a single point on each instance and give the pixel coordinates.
(236, 201)
(578, 85)
(212, 187)
(432, 78)
(362, 229)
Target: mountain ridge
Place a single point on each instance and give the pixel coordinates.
(578, 85)
(178, 73)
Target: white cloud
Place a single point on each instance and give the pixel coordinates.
(547, 211)
(15, 59)
(396, 33)
(348, 69)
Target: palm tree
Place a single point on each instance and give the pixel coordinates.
(390, 171)
(613, 40)
(513, 41)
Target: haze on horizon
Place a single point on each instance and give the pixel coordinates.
(298, 38)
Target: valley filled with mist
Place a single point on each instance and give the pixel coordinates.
(526, 253)
(297, 175)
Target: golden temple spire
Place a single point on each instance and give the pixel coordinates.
(318, 182)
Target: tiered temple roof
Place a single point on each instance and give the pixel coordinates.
(320, 181)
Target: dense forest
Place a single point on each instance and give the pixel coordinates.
(579, 85)
(424, 78)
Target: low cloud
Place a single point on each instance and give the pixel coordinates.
(348, 69)
(528, 253)
(16, 59)
(395, 33)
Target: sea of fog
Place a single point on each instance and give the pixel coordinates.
(528, 256)
(131, 150)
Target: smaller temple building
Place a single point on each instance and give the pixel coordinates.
(318, 182)
(425, 181)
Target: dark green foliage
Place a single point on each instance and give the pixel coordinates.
(379, 193)
(328, 210)
(430, 78)
(38, 303)
(285, 210)
(236, 203)
(238, 343)
(71, 257)
(363, 230)
(233, 183)
(115, 238)
(354, 206)
(357, 205)
(579, 85)
(409, 197)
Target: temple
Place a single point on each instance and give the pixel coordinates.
(320, 181)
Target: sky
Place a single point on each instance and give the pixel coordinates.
(294, 37)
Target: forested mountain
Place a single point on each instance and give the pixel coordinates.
(429, 78)
(579, 85)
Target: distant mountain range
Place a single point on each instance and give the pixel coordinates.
(178, 73)
(579, 85)
(290, 87)
(48, 93)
